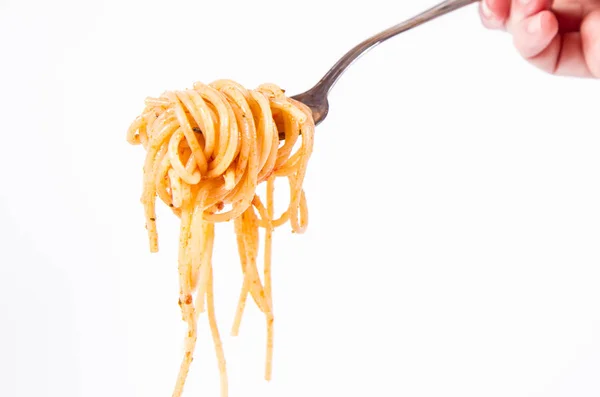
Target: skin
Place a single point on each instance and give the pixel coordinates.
(561, 37)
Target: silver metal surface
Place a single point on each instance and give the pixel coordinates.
(316, 97)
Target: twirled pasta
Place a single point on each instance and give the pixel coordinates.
(208, 148)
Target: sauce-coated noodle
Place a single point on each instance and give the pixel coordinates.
(207, 150)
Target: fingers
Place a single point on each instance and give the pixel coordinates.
(533, 27)
(494, 13)
(524, 9)
(564, 57)
(569, 15)
(501, 14)
(559, 40)
(533, 34)
(574, 54)
(590, 42)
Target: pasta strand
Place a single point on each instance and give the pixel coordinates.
(207, 150)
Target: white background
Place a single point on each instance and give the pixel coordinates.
(454, 239)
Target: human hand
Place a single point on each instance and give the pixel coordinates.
(561, 37)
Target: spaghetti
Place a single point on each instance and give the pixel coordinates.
(207, 150)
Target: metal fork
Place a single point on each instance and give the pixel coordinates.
(316, 97)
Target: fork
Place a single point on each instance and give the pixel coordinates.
(316, 97)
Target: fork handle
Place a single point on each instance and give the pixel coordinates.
(328, 81)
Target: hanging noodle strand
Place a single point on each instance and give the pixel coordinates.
(207, 150)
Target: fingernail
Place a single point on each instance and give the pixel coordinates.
(524, 2)
(486, 9)
(535, 24)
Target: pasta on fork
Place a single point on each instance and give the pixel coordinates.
(208, 148)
